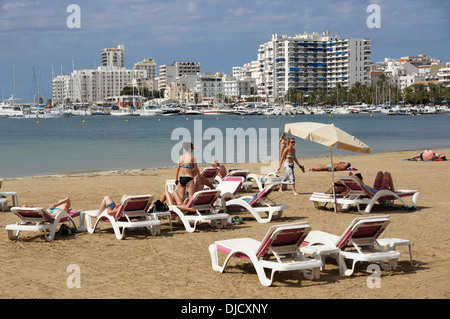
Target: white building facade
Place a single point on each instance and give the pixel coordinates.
(170, 73)
(97, 85)
(311, 61)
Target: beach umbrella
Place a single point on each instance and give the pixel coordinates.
(328, 135)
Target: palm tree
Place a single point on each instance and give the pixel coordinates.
(356, 92)
(420, 93)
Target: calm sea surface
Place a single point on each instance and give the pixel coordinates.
(29, 147)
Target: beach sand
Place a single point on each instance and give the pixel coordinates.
(177, 264)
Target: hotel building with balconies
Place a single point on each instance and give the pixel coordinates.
(310, 61)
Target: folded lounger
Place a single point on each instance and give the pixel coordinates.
(278, 251)
(38, 219)
(359, 194)
(264, 180)
(259, 203)
(133, 213)
(246, 185)
(359, 242)
(203, 202)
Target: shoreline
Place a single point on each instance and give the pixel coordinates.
(177, 264)
(97, 172)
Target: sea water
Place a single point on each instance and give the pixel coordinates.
(30, 147)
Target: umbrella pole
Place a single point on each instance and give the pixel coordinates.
(332, 180)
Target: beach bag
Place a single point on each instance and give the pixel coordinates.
(159, 206)
(65, 230)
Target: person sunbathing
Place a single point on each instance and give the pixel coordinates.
(108, 203)
(341, 166)
(222, 170)
(383, 180)
(175, 199)
(429, 155)
(63, 204)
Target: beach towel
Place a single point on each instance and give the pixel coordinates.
(421, 160)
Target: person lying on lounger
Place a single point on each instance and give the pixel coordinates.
(383, 180)
(108, 203)
(341, 166)
(63, 204)
(175, 199)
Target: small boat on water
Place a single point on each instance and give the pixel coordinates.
(170, 111)
(151, 111)
(46, 113)
(10, 110)
(123, 111)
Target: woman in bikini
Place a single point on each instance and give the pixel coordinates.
(63, 204)
(109, 204)
(289, 158)
(186, 170)
(282, 144)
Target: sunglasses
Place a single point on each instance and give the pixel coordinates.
(292, 142)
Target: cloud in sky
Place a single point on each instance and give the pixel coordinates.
(219, 34)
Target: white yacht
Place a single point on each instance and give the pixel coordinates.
(150, 110)
(46, 113)
(10, 110)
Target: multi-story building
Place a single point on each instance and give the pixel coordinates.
(237, 88)
(169, 73)
(311, 61)
(444, 74)
(210, 87)
(421, 59)
(348, 62)
(96, 85)
(114, 57)
(149, 65)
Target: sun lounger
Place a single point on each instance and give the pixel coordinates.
(278, 251)
(359, 242)
(359, 194)
(203, 202)
(133, 214)
(210, 173)
(264, 180)
(246, 185)
(39, 219)
(259, 203)
(230, 186)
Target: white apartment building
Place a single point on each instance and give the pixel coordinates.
(170, 73)
(444, 75)
(114, 57)
(311, 61)
(406, 71)
(237, 88)
(348, 62)
(93, 86)
(210, 87)
(418, 60)
(149, 65)
(96, 85)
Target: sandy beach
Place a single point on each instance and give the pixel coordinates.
(176, 264)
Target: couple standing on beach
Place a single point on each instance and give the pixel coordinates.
(288, 157)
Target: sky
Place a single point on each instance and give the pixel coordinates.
(40, 38)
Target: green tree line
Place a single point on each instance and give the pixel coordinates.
(381, 93)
